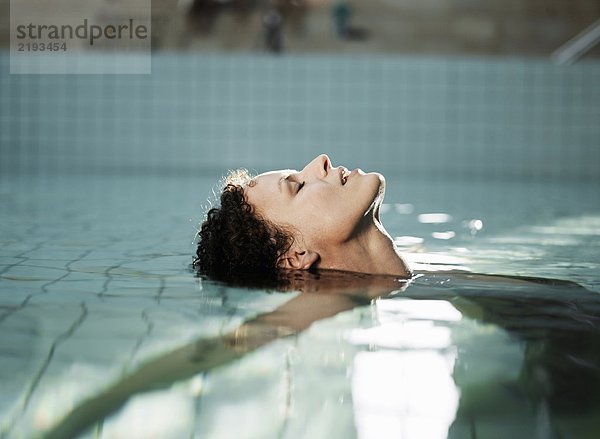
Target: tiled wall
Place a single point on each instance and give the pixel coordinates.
(472, 117)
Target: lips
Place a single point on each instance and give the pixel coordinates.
(344, 174)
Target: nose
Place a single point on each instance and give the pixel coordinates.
(320, 165)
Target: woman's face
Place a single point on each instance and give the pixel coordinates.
(325, 205)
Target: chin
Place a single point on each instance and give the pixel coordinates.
(378, 197)
(378, 184)
(381, 180)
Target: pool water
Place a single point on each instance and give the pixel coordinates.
(95, 285)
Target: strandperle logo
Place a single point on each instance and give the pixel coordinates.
(80, 37)
(84, 31)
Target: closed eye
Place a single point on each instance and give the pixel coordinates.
(291, 178)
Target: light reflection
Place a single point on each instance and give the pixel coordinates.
(443, 235)
(474, 226)
(404, 209)
(409, 389)
(557, 230)
(440, 310)
(411, 392)
(196, 385)
(435, 262)
(434, 218)
(408, 324)
(405, 241)
(384, 208)
(403, 335)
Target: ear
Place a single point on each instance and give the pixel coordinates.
(298, 259)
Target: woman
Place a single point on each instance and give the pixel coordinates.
(320, 217)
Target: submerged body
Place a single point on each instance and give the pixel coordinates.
(560, 370)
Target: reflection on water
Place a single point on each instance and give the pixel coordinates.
(434, 218)
(450, 354)
(403, 382)
(409, 392)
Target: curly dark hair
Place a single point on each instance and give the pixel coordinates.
(236, 244)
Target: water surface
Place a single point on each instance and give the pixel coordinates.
(95, 283)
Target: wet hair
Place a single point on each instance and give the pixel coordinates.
(237, 245)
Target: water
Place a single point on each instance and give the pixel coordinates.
(95, 284)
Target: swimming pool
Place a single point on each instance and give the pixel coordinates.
(95, 282)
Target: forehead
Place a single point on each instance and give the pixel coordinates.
(265, 176)
(264, 186)
(268, 178)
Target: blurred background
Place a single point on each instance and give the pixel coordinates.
(433, 87)
(449, 27)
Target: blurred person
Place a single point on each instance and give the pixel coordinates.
(273, 31)
(341, 12)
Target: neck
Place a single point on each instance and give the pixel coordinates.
(370, 250)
